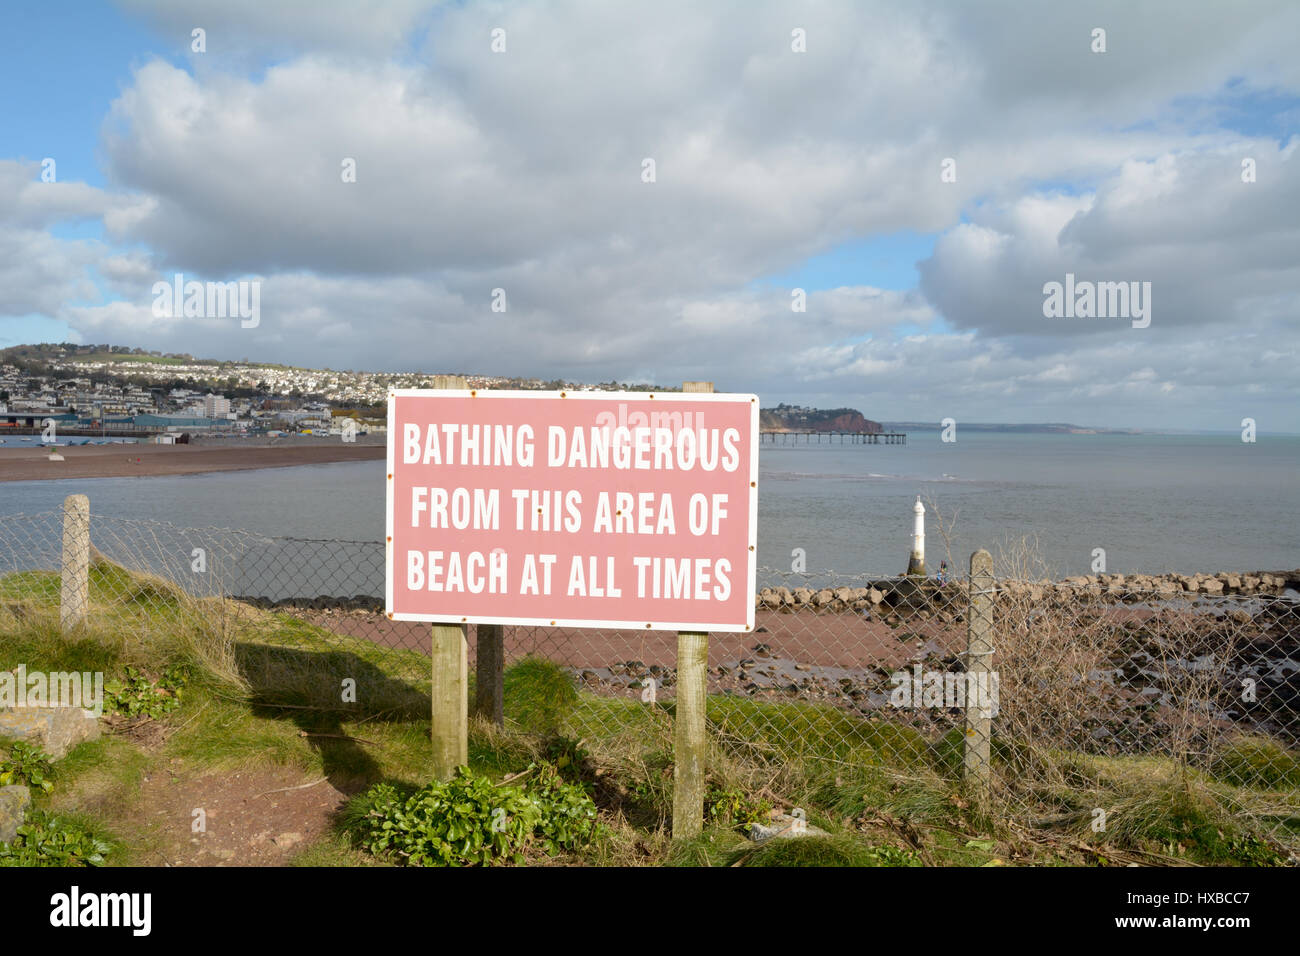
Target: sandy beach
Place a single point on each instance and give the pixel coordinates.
(120, 461)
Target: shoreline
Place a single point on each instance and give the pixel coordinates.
(885, 594)
(153, 461)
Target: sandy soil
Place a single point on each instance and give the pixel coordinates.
(843, 639)
(120, 461)
(260, 817)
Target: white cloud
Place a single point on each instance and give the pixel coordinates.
(522, 171)
(1211, 246)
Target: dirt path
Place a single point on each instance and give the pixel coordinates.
(242, 822)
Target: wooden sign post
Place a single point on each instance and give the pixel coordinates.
(690, 731)
(449, 688)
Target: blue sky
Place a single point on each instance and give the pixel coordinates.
(886, 261)
(62, 64)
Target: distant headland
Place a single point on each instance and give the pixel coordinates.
(795, 418)
(1038, 428)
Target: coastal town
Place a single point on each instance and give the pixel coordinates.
(121, 391)
(118, 390)
(66, 409)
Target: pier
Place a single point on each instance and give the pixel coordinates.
(854, 438)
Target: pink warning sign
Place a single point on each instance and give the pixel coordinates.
(577, 509)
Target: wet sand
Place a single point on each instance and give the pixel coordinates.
(120, 461)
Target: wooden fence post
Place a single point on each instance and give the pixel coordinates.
(690, 739)
(450, 679)
(450, 693)
(489, 682)
(976, 758)
(74, 594)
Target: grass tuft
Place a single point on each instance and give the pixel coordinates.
(539, 696)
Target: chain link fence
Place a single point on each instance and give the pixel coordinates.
(1063, 703)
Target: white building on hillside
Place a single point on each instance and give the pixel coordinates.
(214, 406)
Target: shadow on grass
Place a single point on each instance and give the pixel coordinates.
(320, 691)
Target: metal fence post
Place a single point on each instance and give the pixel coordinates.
(976, 757)
(74, 595)
(690, 743)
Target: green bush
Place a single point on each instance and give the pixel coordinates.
(469, 821)
(26, 765)
(570, 758)
(136, 695)
(734, 808)
(568, 815)
(53, 841)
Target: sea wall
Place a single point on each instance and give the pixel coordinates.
(888, 593)
(1132, 587)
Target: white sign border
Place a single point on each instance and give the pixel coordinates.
(567, 395)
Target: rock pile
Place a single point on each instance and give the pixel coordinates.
(894, 591)
(923, 592)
